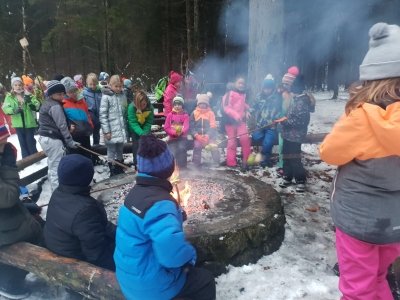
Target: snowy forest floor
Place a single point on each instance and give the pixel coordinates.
(302, 267)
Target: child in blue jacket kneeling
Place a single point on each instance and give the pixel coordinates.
(153, 259)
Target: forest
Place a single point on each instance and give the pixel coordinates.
(215, 39)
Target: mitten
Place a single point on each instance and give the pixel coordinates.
(18, 110)
(73, 145)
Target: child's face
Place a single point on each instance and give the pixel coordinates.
(143, 104)
(240, 84)
(58, 96)
(116, 87)
(267, 91)
(73, 94)
(18, 87)
(202, 105)
(178, 84)
(92, 85)
(178, 106)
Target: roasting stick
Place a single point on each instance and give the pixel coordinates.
(108, 159)
(250, 131)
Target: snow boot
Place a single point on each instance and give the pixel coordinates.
(285, 183)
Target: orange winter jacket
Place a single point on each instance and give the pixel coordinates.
(365, 199)
(367, 132)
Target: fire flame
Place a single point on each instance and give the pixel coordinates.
(181, 195)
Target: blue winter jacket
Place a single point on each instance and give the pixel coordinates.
(151, 249)
(93, 100)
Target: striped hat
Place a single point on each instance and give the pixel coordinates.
(55, 86)
(154, 158)
(290, 76)
(4, 134)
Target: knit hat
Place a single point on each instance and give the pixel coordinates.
(179, 99)
(58, 77)
(78, 77)
(174, 77)
(15, 79)
(27, 80)
(54, 86)
(4, 132)
(127, 83)
(203, 98)
(290, 76)
(103, 76)
(154, 158)
(69, 84)
(383, 57)
(75, 170)
(269, 82)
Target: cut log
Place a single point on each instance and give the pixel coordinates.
(86, 279)
(30, 160)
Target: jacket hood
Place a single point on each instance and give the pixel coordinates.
(174, 77)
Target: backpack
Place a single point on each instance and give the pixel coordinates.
(160, 88)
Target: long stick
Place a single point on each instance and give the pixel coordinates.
(178, 193)
(250, 131)
(108, 159)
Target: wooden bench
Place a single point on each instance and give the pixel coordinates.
(79, 276)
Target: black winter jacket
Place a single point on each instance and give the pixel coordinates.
(77, 227)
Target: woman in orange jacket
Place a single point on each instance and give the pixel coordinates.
(365, 145)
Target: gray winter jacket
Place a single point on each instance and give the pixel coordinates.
(113, 116)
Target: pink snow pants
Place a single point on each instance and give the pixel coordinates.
(237, 130)
(363, 268)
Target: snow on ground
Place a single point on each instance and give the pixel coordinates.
(302, 267)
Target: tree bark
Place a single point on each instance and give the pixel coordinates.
(84, 278)
(265, 41)
(24, 49)
(189, 37)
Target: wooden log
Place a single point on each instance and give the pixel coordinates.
(86, 279)
(30, 160)
(34, 176)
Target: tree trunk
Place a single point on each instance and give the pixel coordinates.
(189, 24)
(24, 49)
(84, 278)
(265, 41)
(196, 28)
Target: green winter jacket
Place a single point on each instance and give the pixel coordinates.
(140, 122)
(16, 223)
(27, 117)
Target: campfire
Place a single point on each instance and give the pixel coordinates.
(195, 196)
(231, 219)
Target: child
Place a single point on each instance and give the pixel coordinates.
(294, 131)
(113, 109)
(78, 78)
(177, 127)
(204, 129)
(92, 95)
(76, 224)
(285, 90)
(78, 119)
(236, 111)
(140, 119)
(267, 109)
(365, 146)
(16, 223)
(22, 107)
(53, 129)
(128, 90)
(152, 257)
(174, 84)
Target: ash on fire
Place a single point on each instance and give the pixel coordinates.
(232, 219)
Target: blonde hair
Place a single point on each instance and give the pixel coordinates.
(139, 97)
(114, 79)
(91, 77)
(380, 92)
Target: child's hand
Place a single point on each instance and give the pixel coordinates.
(72, 128)
(280, 120)
(107, 136)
